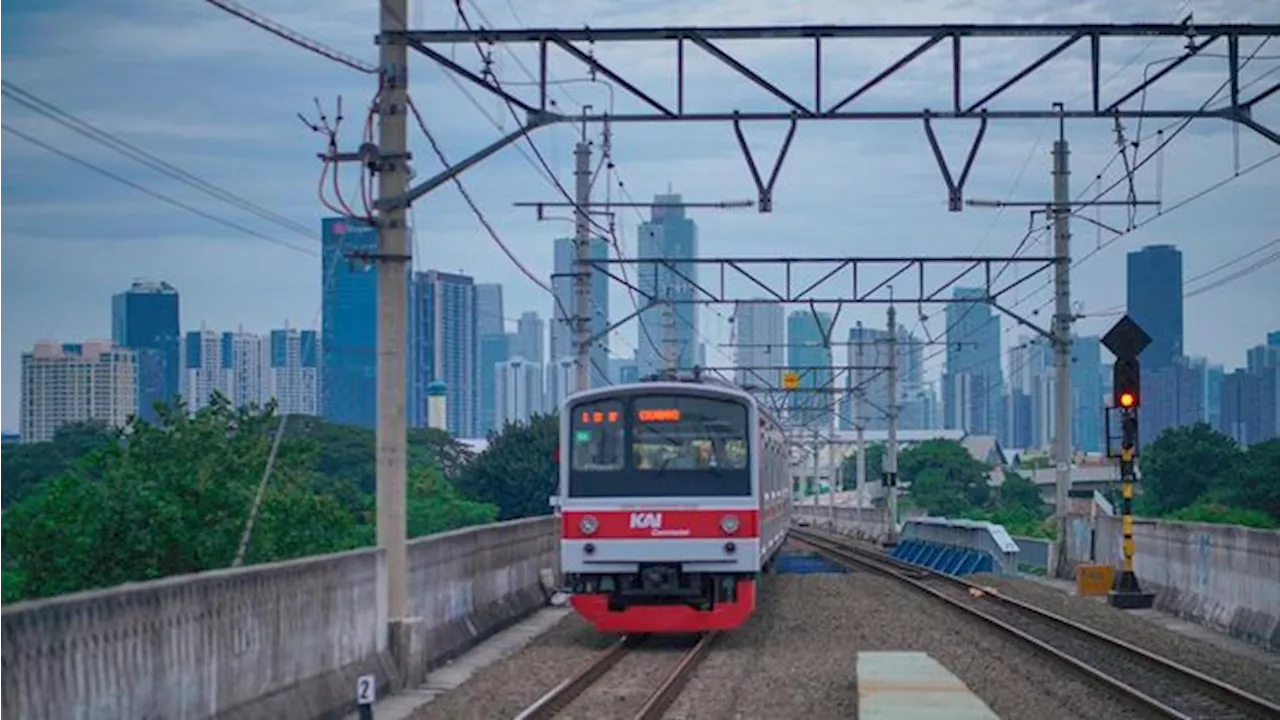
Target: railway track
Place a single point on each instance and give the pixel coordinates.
(1161, 684)
(559, 697)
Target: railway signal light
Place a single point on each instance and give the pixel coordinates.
(1126, 379)
(1126, 341)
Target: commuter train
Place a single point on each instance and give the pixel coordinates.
(674, 497)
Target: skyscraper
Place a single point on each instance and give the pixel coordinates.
(76, 382)
(598, 306)
(973, 382)
(145, 319)
(761, 332)
(443, 312)
(349, 326)
(809, 354)
(1154, 301)
(529, 342)
(243, 368)
(668, 235)
(493, 348)
(1086, 394)
(912, 397)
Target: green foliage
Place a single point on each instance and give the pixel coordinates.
(943, 477)
(1205, 512)
(874, 471)
(517, 472)
(26, 466)
(174, 498)
(1184, 464)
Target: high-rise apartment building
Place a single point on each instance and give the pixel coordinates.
(145, 319)
(519, 391)
(293, 371)
(668, 235)
(973, 381)
(562, 342)
(1154, 301)
(559, 382)
(202, 368)
(76, 382)
(809, 354)
(443, 313)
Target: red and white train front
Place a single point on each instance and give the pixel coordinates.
(666, 520)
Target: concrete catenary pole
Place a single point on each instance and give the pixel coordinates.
(393, 301)
(670, 348)
(891, 447)
(581, 259)
(1061, 329)
(859, 425)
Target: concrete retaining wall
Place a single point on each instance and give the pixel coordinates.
(280, 641)
(285, 640)
(467, 584)
(1224, 576)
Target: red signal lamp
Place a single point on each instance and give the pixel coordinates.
(1128, 400)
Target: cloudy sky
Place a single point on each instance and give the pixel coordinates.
(219, 98)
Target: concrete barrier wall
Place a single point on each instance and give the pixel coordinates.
(285, 640)
(1224, 576)
(1037, 553)
(871, 524)
(280, 641)
(978, 535)
(467, 584)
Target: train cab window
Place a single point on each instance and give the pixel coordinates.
(596, 436)
(688, 433)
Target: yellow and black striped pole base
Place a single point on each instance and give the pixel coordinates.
(1128, 595)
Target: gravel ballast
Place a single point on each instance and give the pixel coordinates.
(798, 657)
(1230, 667)
(506, 687)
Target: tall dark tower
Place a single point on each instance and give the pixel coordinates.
(1154, 300)
(144, 318)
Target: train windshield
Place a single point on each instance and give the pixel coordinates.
(649, 445)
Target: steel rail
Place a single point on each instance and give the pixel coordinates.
(922, 578)
(675, 681)
(561, 695)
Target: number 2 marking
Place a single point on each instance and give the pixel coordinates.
(366, 690)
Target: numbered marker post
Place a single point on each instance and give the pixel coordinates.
(366, 695)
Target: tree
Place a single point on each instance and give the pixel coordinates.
(1256, 483)
(171, 498)
(875, 466)
(26, 466)
(1017, 492)
(1184, 464)
(435, 506)
(943, 477)
(517, 472)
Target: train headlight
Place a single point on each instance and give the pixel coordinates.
(730, 524)
(588, 525)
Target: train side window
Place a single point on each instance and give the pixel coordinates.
(596, 436)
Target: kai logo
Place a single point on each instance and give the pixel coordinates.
(646, 521)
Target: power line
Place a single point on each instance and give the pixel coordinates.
(158, 196)
(293, 36)
(87, 129)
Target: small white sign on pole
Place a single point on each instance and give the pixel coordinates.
(366, 690)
